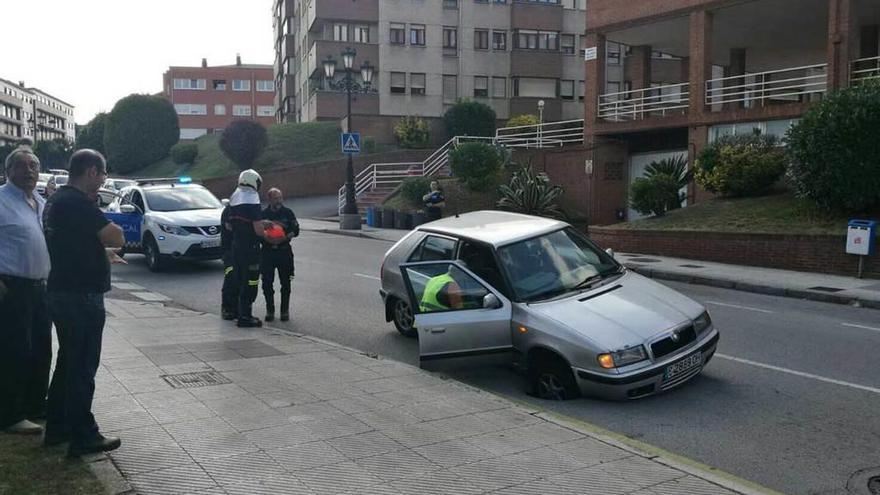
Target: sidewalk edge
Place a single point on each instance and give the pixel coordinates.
(105, 470)
(353, 233)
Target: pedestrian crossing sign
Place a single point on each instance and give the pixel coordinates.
(351, 142)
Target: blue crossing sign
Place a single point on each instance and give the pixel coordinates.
(351, 142)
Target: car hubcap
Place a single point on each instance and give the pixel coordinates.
(549, 387)
(404, 316)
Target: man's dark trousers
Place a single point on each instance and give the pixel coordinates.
(79, 322)
(23, 349)
(246, 266)
(278, 258)
(229, 292)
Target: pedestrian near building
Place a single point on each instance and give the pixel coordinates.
(25, 330)
(78, 235)
(229, 292)
(434, 202)
(277, 255)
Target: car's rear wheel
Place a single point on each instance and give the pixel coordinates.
(155, 261)
(403, 318)
(552, 378)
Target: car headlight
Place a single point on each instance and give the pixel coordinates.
(173, 229)
(702, 322)
(622, 357)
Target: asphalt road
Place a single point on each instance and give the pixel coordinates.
(791, 400)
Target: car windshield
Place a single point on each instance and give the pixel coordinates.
(553, 264)
(181, 199)
(60, 180)
(121, 184)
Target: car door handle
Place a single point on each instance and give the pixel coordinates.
(438, 330)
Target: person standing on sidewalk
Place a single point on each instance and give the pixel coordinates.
(78, 236)
(25, 330)
(277, 254)
(434, 202)
(229, 292)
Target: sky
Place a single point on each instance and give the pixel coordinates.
(91, 53)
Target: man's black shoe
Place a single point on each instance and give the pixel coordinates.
(53, 440)
(98, 444)
(270, 316)
(228, 315)
(249, 322)
(285, 316)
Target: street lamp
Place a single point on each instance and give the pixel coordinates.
(540, 123)
(351, 219)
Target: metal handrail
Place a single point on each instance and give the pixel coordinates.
(862, 74)
(546, 134)
(638, 103)
(761, 88)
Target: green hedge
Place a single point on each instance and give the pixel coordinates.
(140, 130)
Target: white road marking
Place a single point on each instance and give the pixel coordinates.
(801, 374)
(749, 308)
(853, 325)
(366, 276)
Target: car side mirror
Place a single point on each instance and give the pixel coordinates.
(490, 301)
(610, 252)
(225, 201)
(127, 209)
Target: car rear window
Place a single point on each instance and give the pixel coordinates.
(434, 248)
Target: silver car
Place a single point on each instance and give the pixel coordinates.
(491, 283)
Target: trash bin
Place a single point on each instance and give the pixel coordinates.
(418, 218)
(402, 221)
(371, 213)
(387, 219)
(860, 235)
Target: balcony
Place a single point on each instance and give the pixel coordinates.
(365, 11)
(640, 104)
(321, 49)
(332, 104)
(536, 63)
(865, 69)
(541, 16)
(775, 87)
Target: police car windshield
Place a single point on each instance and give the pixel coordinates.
(181, 198)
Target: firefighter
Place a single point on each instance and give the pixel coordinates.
(229, 293)
(279, 255)
(442, 293)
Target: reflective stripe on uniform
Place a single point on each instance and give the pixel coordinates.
(228, 270)
(254, 282)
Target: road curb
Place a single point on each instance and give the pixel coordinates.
(347, 233)
(109, 475)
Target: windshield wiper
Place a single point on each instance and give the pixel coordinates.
(589, 281)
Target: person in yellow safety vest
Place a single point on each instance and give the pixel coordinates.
(442, 293)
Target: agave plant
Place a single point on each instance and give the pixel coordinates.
(531, 193)
(677, 169)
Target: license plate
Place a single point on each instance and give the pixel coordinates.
(683, 366)
(211, 244)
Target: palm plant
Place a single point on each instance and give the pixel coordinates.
(677, 169)
(531, 193)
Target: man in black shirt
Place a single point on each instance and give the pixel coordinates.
(229, 292)
(77, 234)
(278, 255)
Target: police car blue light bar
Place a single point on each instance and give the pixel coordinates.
(185, 180)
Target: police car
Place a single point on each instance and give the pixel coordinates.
(168, 219)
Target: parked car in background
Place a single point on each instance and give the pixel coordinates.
(58, 171)
(42, 181)
(111, 188)
(538, 292)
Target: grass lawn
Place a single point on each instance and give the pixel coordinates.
(781, 213)
(458, 199)
(28, 468)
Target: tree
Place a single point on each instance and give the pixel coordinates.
(476, 165)
(184, 153)
(470, 118)
(243, 141)
(54, 153)
(523, 120)
(140, 130)
(412, 132)
(91, 135)
(834, 152)
(531, 194)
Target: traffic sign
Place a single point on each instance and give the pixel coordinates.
(351, 142)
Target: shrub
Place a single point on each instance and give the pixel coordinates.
(469, 118)
(140, 130)
(655, 195)
(834, 151)
(53, 154)
(737, 166)
(243, 141)
(184, 153)
(531, 194)
(676, 167)
(524, 119)
(412, 132)
(476, 165)
(414, 188)
(91, 135)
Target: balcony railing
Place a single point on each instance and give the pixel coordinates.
(546, 135)
(791, 85)
(865, 69)
(638, 104)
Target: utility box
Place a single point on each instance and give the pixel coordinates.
(860, 236)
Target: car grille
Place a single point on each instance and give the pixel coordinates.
(206, 230)
(686, 336)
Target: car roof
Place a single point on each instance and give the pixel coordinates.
(494, 227)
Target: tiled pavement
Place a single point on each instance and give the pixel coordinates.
(290, 415)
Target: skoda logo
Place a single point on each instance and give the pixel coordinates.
(213, 230)
(674, 337)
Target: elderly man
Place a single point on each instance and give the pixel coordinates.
(278, 255)
(25, 330)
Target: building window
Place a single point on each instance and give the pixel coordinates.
(340, 32)
(612, 87)
(191, 109)
(499, 87)
(450, 4)
(241, 110)
(398, 34)
(182, 84)
(266, 86)
(219, 84)
(450, 89)
(398, 82)
(537, 40)
(265, 111)
(417, 34)
(499, 40)
(612, 53)
(481, 39)
(582, 91)
(450, 38)
(567, 43)
(566, 89)
(219, 109)
(534, 87)
(241, 85)
(417, 84)
(481, 87)
(361, 34)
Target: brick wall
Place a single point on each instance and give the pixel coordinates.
(808, 253)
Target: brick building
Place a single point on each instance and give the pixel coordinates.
(207, 98)
(34, 113)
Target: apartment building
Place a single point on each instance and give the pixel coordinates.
(207, 98)
(509, 54)
(34, 113)
(700, 69)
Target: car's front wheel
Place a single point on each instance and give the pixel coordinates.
(552, 378)
(403, 317)
(155, 261)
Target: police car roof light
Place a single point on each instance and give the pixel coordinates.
(185, 180)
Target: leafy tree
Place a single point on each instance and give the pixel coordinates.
(243, 141)
(651, 195)
(91, 135)
(531, 193)
(54, 153)
(184, 153)
(413, 189)
(140, 130)
(834, 151)
(412, 132)
(470, 118)
(736, 166)
(524, 119)
(476, 165)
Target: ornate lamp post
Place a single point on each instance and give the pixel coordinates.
(351, 219)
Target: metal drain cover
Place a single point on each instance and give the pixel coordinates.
(196, 379)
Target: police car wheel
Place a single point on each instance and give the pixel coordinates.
(155, 261)
(403, 318)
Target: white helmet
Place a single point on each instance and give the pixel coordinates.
(250, 178)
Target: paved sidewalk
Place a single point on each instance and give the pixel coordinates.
(278, 413)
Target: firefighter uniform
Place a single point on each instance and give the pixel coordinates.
(244, 211)
(278, 257)
(229, 292)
